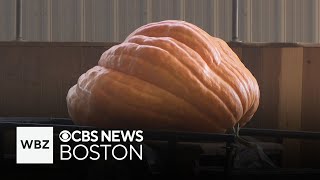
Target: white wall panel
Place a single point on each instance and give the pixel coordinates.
(99, 20)
(7, 20)
(34, 20)
(113, 20)
(132, 15)
(66, 19)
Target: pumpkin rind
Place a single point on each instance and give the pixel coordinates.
(166, 75)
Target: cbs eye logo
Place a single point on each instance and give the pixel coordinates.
(65, 136)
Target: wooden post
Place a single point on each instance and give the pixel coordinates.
(311, 105)
(290, 97)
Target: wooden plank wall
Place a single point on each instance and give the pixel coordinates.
(35, 78)
(288, 76)
(310, 107)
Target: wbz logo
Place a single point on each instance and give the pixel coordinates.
(34, 145)
(37, 144)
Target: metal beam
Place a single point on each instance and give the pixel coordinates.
(235, 20)
(18, 20)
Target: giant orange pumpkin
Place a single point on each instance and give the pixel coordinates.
(168, 75)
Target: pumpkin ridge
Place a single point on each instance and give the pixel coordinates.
(246, 80)
(158, 111)
(160, 41)
(144, 79)
(219, 74)
(93, 88)
(117, 82)
(222, 121)
(252, 82)
(205, 35)
(154, 30)
(223, 80)
(234, 72)
(243, 99)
